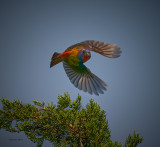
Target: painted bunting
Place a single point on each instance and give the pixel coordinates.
(73, 59)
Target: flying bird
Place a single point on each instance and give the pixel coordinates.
(74, 57)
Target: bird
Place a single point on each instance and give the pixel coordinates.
(73, 59)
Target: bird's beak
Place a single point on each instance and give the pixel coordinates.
(88, 53)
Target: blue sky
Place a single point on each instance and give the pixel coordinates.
(32, 31)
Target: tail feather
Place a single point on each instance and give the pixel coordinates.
(55, 59)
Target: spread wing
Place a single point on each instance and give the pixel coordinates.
(84, 79)
(105, 49)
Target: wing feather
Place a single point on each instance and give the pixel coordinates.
(80, 83)
(88, 85)
(98, 87)
(105, 49)
(85, 80)
(74, 78)
(100, 84)
(95, 90)
(84, 87)
(77, 80)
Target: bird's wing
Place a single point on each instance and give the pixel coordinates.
(84, 79)
(105, 49)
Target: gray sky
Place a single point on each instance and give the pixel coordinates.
(31, 31)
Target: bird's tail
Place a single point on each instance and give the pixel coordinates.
(55, 59)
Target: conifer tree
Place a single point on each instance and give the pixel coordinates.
(64, 124)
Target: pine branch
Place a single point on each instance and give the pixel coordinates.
(67, 124)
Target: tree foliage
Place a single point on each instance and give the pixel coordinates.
(67, 124)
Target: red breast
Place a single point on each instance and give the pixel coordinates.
(85, 58)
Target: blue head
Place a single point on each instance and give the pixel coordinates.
(84, 55)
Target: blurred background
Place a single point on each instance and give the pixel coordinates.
(31, 31)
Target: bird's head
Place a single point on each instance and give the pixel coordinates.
(84, 55)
